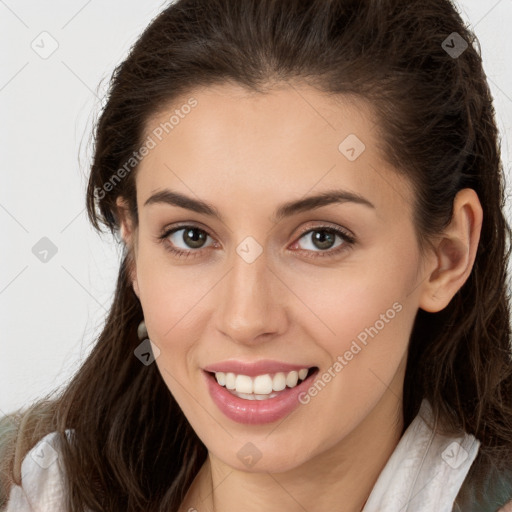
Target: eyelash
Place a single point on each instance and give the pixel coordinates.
(348, 240)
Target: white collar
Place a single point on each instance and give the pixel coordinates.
(426, 470)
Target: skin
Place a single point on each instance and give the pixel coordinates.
(246, 154)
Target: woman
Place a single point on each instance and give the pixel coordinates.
(311, 311)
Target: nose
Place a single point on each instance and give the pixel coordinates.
(251, 306)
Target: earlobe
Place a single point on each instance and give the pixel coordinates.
(455, 253)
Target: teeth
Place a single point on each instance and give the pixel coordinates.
(279, 381)
(230, 380)
(243, 384)
(291, 379)
(261, 384)
(252, 396)
(221, 378)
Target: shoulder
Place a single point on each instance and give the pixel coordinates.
(42, 486)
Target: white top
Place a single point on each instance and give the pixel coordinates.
(425, 471)
(42, 479)
(423, 474)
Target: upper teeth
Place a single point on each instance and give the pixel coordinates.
(261, 384)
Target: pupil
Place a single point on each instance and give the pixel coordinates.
(194, 241)
(323, 239)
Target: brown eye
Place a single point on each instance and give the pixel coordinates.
(190, 236)
(193, 237)
(321, 242)
(323, 239)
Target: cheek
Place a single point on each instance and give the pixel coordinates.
(170, 298)
(167, 294)
(347, 300)
(362, 358)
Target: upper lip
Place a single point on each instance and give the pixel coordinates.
(253, 369)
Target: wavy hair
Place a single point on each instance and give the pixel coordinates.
(436, 125)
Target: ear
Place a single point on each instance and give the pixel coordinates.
(455, 253)
(128, 234)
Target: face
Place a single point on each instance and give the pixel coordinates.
(259, 274)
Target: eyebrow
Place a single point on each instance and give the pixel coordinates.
(287, 209)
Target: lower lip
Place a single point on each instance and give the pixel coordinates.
(256, 412)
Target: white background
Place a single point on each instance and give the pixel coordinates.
(52, 312)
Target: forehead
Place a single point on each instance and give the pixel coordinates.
(280, 144)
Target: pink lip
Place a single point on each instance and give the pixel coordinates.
(253, 369)
(256, 412)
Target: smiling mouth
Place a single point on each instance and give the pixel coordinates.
(262, 387)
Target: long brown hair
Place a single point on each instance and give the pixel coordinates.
(131, 447)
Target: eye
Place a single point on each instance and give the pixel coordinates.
(192, 239)
(322, 241)
(192, 236)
